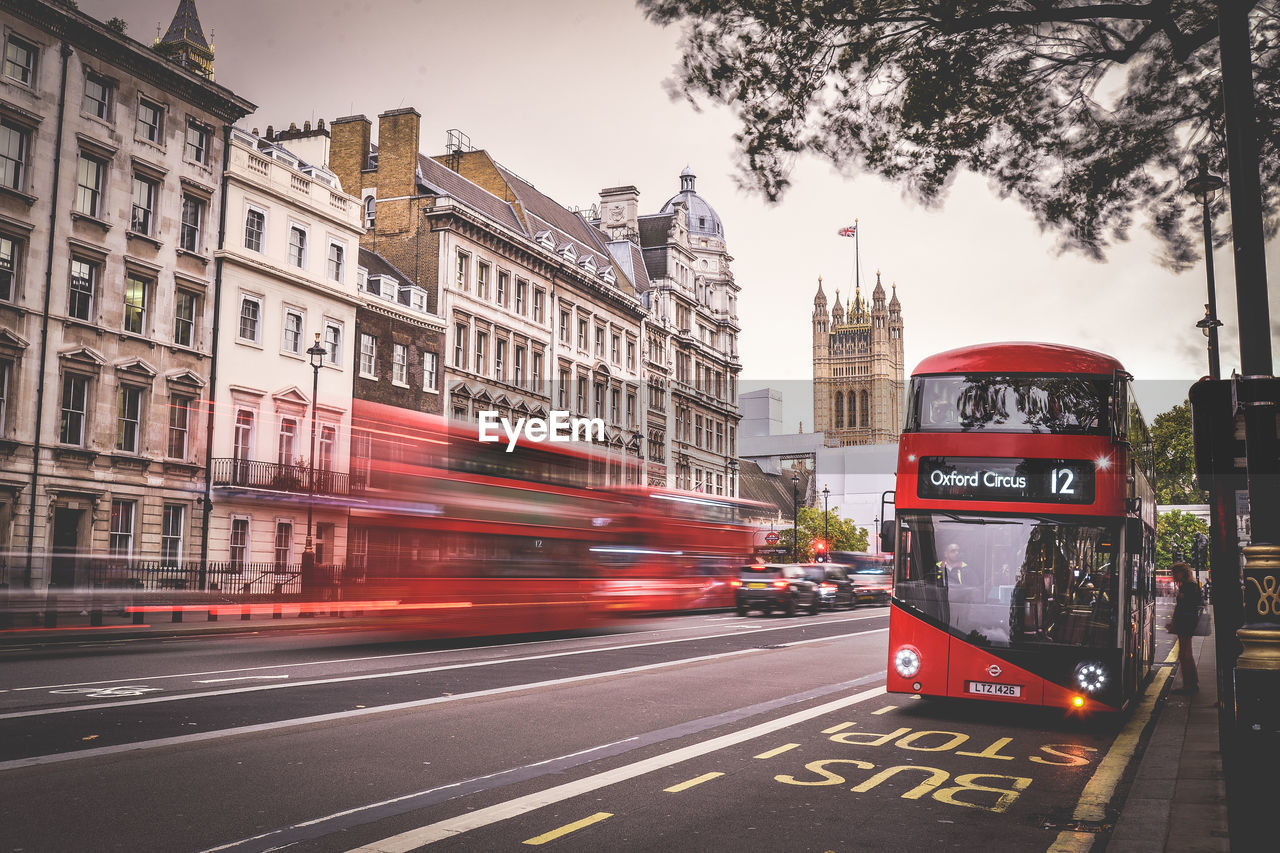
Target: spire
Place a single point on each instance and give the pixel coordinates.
(820, 297)
(185, 43)
(878, 293)
(837, 313)
(894, 300)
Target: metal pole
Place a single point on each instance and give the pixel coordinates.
(1252, 753)
(1215, 370)
(795, 518)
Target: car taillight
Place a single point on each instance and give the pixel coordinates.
(735, 583)
(826, 585)
(780, 584)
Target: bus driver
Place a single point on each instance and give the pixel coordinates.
(950, 569)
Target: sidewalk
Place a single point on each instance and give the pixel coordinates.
(28, 625)
(1177, 802)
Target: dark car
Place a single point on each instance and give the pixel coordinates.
(873, 581)
(835, 589)
(776, 587)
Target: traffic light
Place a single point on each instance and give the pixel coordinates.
(819, 550)
(1200, 552)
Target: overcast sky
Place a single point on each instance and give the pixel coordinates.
(571, 95)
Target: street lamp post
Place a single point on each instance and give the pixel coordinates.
(1205, 186)
(826, 493)
(795, 518)
(730, 472)
(316, 353)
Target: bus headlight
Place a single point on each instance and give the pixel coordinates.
(1091, 676)
(907, 661)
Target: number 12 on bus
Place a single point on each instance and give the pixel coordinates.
(1025, 532)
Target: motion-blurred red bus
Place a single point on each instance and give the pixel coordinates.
(1025, 530)
(677, 550)
(476, 539)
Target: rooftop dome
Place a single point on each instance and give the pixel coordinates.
(703, 218)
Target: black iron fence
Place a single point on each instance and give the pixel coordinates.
(278, 477)
(227, 579)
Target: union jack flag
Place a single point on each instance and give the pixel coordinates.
(849, 231)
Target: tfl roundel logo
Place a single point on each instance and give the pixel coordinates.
(994, 670)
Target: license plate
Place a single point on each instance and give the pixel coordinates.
(987, 688)
(757, 586)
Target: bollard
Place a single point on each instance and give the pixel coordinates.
(213, 614)
(177, 614)
(244, 605)
(137, 617)
(95, 617)
(276, 593)
(50, 610)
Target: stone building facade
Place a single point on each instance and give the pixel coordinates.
(690, 335)
(538, 314)
(108, 225)
(858, 386)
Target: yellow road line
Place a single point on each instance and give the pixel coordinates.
(778, 751)
(886, 709)
(705, 777)
(835, 729)
(568, 828)
(1092, 805)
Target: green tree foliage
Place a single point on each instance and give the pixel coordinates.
(1177, 529)
(1086, 113)
(842, 534)
(1175, 458)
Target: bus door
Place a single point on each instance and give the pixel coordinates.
(1135, 618)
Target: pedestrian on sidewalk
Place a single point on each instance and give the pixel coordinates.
(1186, 613)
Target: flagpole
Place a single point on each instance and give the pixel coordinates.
(857, 255)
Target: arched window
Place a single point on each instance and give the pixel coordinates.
(370, 215)
(863, 410)
(839, 410)
(853, 410)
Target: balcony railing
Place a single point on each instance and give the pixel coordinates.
(281, 478)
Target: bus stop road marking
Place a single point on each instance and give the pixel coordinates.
(568, 828)
(453, 827)
(697, 780)
(886, 709)
(778, 750)
(835, 729)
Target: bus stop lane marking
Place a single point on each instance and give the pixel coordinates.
(697, 780)
(778, 750)
(835, 729)
(568, 828)
(886, 709)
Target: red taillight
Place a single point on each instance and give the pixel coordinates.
(780, 584)
(828, 585)
(735, 583)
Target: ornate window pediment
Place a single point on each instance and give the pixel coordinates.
(12, 344)
(608, 275)
(567, 252)
(184, 379)
(588, 263)
(137, 369)
(291, 397)
(83, 357)
(546, 239)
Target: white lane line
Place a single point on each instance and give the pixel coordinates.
(343, 715)
(182, 697)
(241, 678)
(431, 833)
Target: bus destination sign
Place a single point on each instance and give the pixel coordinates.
(1069, 481)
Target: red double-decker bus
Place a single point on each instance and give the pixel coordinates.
(468, 538)
(1025, 532)
(676, 550)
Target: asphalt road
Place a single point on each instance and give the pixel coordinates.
(701, 733)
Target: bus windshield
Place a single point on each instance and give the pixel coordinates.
(987, 402)
(1005, 581)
